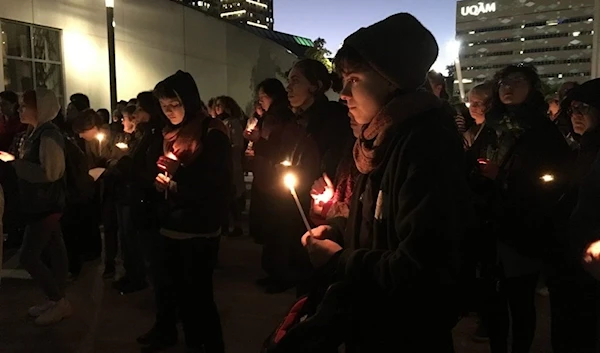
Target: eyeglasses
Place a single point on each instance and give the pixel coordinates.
(579, 108)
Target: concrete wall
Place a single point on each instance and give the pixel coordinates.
(154, 38)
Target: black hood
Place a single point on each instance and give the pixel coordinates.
(185, 86)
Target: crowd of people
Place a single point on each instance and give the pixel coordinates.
(420, 211)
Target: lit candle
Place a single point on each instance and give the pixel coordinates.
(547, 178)
(172, 157)
(122, 145)
(100, 137)
(286, 163)
(325, 197)
(290, 181)
(592, 252)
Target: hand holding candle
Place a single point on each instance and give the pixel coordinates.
(6, 157)
(591, 259)
(290, 182)
(169, 165)
(322, 190)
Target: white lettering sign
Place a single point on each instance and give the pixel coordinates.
(475, 10)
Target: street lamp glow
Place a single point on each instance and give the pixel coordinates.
(109, 3)
(453, 48)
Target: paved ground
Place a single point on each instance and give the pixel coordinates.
(106, 322)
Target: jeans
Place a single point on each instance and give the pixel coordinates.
(132, 249)
(44, 237)
(183, 288)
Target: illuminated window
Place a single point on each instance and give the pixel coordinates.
(576, 34)
(32, 57)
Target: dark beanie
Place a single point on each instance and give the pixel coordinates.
(399, 48)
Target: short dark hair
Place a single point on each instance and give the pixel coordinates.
(272, 88)
(9, 96)
(104, 114)
(80, 101)
(130, 109)
(149, 103)
(315, 72)
(87, 120)
(349, 59)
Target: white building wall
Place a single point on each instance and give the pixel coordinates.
(153, 39)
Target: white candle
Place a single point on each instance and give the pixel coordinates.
(100, 137)
(290, 181)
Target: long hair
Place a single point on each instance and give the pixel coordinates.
(231, 107)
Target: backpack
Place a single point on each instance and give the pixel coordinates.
(79, 184)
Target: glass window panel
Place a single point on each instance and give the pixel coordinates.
(49, 76)
(16, 39)
(18, 75)
(46, 44)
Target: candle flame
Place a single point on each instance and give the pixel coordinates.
(594, 250)
(122, 145)
(290, 181)
(286, 163)
(171, 156)
(547, 178)
(100, 136)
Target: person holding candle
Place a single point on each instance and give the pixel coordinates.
(101, 152)
(40, 168)
(199, 186)
(401, 244)
(573, 291)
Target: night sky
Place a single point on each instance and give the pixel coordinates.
(334, 20)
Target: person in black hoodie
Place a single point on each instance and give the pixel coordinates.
(573, 292)
(195, 180)
(528, 165)
(399, 248)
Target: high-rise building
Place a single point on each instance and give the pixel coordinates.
(554, 36)
(257, 13)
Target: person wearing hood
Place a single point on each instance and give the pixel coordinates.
(573, 291)
(40, 168)
(528, 164)
(195, 180)
(400, 245)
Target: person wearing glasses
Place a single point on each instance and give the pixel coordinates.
(527, 165)
(574, 292)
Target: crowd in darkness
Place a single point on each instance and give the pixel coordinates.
(419, 211)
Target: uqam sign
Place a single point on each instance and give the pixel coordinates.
(476, 10)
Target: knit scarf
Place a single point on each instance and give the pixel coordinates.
(371, 146)
(185, 140)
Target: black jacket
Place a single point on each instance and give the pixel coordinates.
(403, 238)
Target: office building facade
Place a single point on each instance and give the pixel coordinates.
(257, 13)
(554, 36)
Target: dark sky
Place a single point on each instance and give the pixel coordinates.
(334, 20)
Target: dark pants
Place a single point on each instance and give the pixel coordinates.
(111, 229)
(235, 210)
(258, 214)
(283, 256)
(132, 248)
(44, 237)
(575, 309)
(183, 286)
(73, 223)
(516, 294)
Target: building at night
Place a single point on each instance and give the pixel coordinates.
(554, 36)
(257, 13)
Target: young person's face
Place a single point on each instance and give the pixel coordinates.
(478, 105)
(218, 108)
(437, 89)
(27, 114)
(128, 124)
(89, 135)
(300, 90)
(553, 108)
(584, 117)
(264, 100)
(173, 110)
(6, 108)
(514, 89)
(365, 93)
(140, 115)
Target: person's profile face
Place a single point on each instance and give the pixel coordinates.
(299, 88)
(365, 93)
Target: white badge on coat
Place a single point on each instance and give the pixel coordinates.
(379, 206)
